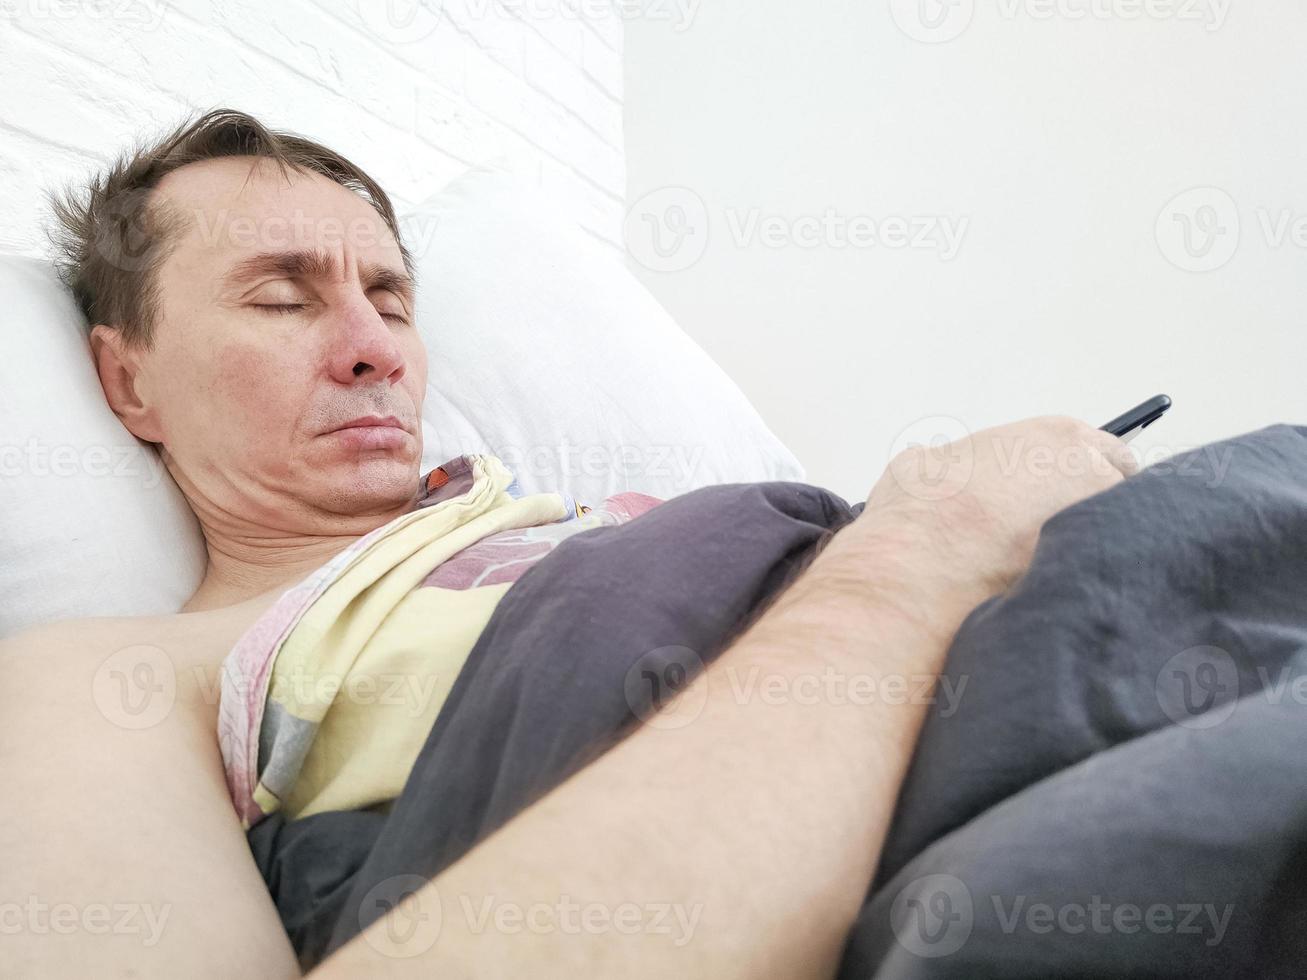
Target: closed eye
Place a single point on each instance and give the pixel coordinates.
(287, 308)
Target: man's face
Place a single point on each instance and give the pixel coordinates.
(286, 312)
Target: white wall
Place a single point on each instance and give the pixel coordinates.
(1059, 131)
(415, 93)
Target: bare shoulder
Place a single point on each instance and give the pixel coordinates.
(101, 665)
(80, 640)
(186, 640)
(62, 636)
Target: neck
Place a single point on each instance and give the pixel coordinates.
(246, 561)
(240, 571)
(263, 551)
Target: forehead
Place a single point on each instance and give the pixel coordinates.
(233, 207)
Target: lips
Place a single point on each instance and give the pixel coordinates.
(373, 432)
(372, 421)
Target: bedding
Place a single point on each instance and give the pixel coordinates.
(1114, 786)
(328, 696)
(547, 352)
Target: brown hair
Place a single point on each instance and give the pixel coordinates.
(111, 237)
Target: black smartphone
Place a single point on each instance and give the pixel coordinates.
(1138, 418)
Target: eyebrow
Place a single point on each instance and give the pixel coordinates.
(317, 263)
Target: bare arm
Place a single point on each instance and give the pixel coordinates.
(760, 823)
(754, 820)
(738, 845)
(122, 855)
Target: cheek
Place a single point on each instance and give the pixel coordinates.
(416, 375)
(241, 370)
(256, 388)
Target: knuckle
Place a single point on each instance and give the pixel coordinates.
(1061, 428)
(1112, 448)
(1079, 430)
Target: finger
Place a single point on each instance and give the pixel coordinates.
(1116, 452)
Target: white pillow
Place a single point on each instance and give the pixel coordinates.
(91, 523)
(547, 351)
(539, 339)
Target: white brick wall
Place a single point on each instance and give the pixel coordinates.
(414, 91)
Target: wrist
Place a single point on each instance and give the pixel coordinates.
(915, 568)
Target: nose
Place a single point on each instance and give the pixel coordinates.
(363, 346)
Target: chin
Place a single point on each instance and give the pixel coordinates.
(368, 485)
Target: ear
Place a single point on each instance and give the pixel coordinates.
(119, 372)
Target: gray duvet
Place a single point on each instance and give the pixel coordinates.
(1115, 785)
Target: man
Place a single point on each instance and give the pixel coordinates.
(241, 356)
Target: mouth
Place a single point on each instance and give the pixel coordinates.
(373, 422)
(373, 432)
